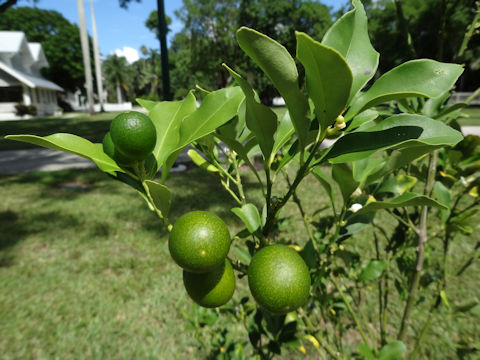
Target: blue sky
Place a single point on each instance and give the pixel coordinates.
(123, 30)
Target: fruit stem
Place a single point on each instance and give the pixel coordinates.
(316, 334)
(352, 313)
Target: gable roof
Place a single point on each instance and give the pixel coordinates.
(30, 80)
(11, 41)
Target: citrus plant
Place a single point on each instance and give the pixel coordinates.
(299, 291)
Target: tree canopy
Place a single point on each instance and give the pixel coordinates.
(60, 41)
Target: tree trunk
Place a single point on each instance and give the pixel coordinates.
(119, 93)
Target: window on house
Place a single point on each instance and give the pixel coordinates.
(11, 94)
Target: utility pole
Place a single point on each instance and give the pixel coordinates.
(86, 55)
(162, 35)
(96, 54)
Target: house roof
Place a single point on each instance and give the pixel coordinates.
(29, 79)
(38, 54)
(11, 41)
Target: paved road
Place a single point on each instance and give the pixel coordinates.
(21, 161)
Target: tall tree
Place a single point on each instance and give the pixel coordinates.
(60, 41)
(118, 75)
(208, 37)
(433, 28)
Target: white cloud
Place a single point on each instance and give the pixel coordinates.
(129, 53)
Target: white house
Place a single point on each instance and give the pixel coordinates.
(20, 78)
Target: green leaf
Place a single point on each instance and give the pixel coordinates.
(407, 199)
(73, 144)
(397, 185)
(167, 117)
(415, 78)
(325, 182)
(443, 196)
(147, 104)
(366, 352)
(363, 168)
(398, 131)
(362, 118)
(201, 162)
(260, 119)
(279, 66)
(329, 78)
(349, 36)
(284, 133)
(217, 108)
(400, 158)
(250, 216)
(308, 254)
(243, 255)
(373, 270)
(393, 351)
(343, 176)
(160, 195)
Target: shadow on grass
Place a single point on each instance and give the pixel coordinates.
(192, 190)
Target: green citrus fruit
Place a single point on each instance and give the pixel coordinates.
(279, 279)
(199, 241)
(213, 288)
(110, 150)
(133, 134)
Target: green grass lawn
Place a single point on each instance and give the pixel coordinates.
(85, 272)
(92, 128)
(473, 118)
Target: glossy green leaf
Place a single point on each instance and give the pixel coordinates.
(167, 117)
(398, 131)
(404, 200)
(393, 351)
(73, 144)
(433, 106)
(284, 133)
(217, 108)
(424, 77)
(200, 161)
(328, 77)
(373, 270)
(160, 195)
(279, 66)
(325, 182)
(443, 196)
(242, 255)
(349, 36)
(343, 176)
(168, 164)
(397, 185)
(364, 167)
(362, 118)
(147, 104)
(250, 216)
(308, 253)
(260, 119)
(400, 158)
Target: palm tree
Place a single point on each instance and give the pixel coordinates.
(117, 74)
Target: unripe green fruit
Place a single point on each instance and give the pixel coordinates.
(211, 289)
(199, 241)
(279, 279)
(133, 135)
(110, 150)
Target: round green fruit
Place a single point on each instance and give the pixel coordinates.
(109, 149)
(279, 279)
(133, 135)
(199, 241)
(211, 289)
